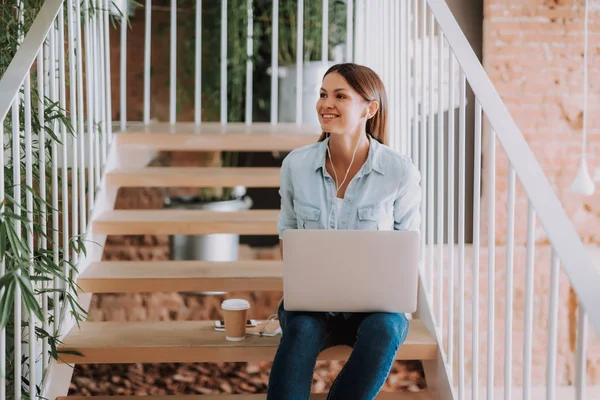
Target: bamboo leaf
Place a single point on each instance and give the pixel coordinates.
(6, 305)
(28, 297)
(3, 239)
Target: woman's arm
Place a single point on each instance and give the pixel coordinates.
(287, 215)
(407, 215)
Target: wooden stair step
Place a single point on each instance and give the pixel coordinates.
(181, 276)
(186, 222)
(197, 341)
(187, 136)
(193, 177)
(317, 396)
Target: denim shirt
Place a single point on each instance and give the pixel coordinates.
(385, 194)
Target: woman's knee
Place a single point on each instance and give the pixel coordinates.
(387, 329)
(306, 326)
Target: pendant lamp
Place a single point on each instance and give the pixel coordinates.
(583, 183)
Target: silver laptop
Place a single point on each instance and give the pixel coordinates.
(350, 271)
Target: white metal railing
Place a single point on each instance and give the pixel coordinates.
(398, 40)
(53, 143)
(433, 24)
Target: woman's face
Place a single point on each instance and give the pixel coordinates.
(340, 108)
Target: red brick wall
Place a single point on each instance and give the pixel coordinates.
(533, 52)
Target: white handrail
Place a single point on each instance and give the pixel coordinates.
(584, 276)
(13, 78)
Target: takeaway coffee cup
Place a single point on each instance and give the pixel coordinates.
(234, 316)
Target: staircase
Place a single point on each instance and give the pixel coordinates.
(196, 341)
(427, 65)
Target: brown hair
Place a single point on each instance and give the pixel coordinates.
(368, 84)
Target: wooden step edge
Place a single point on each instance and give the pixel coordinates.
(424, 395)
(315, 396)
(279, 129)
(181, 276)
(186, 222)
(197, 341)
(254, 177)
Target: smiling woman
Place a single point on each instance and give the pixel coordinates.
(379, 190)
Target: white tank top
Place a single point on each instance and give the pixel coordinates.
(339, 203)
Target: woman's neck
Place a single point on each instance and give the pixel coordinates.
(343, 145)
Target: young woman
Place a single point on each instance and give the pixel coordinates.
(350, 179)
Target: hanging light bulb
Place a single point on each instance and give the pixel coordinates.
(583, 183)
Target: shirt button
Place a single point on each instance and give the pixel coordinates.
(331, 225)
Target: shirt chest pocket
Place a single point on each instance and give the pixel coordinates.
(308, 217)
(374, 218)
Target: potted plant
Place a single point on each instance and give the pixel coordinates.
(214, 247)
(313, 67)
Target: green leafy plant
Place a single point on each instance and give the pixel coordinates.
(237, 22)
(46, 281)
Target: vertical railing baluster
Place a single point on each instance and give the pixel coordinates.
(510, 246)
(198, 66)
(249, 61)
(223, 61)
(451, 210)
(529, 287)
(173, 63)
(64, 136)
(148, 53)
(299, 59)
(123, 77)
(96, 103)
(349, 30)
(397, 63)
(430, 157)
(406, 80)
(552, 328)
(275, 62)
(42, 68)
(386, 42)
(325, 31)
(461, 235)
(74, 140)
(80, 122)
(581, 353)
(440, 184)
(90, 96)
(101, 92)
(31, 318)
(54, 162)
(476, 237)
(491, 194)
(423, 139)
(107, 67)
(16, 138)
(17, 336)
(415, 83)
(383, 68)
(399, 68)
(3, 271)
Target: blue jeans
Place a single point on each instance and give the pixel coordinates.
(374, 337)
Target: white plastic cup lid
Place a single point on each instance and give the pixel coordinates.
(235, 304)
